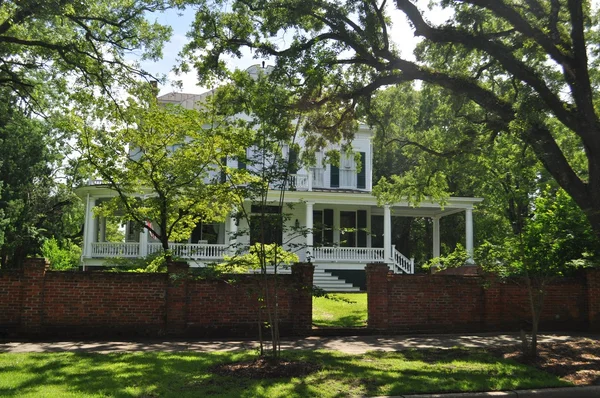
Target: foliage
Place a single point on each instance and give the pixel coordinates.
(259, 255)
(164, 164)
(556, 235)
(152, 263)
(61, 258)
(68, 52)
(528, 71)
(34, 204)
(190, 374)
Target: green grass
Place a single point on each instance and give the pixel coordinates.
(188, 374)
(341, 310)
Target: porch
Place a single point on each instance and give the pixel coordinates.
(202, 253)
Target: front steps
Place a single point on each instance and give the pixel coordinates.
(331, 283)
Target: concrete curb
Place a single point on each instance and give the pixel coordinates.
(562, 392)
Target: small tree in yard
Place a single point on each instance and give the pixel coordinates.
(554, 241)
(265, 101)
(163, 164)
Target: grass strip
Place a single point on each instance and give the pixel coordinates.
(185, 374)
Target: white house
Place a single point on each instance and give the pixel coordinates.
(346, 227)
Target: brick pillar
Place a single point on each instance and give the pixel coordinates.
(32, 295)
(302, 274)
(377, 296)
(176, 306)
(593, 298)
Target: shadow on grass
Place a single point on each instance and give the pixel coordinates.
(189, 374)
(347, 321)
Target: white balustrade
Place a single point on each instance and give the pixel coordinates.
(195, 251)
(114, 249)
(348, 254)
(299, 181)
(403, 263)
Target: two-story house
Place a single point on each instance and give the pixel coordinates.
(346, 227)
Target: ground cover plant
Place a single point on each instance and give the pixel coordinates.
(186, 374)
(340, 310)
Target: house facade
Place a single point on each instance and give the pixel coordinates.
(343, 226)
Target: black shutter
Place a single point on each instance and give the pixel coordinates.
(327, 227)
(335, 177)
(361, 224)
(292, 161)
(361, 177)
(223, 177)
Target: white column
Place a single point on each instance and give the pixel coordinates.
(469, 235)
(387, 233)
(143, 242)
(88, 234)
(233, 228)
(436, 236)
(102, 229)
(310, 178)
(309, 231)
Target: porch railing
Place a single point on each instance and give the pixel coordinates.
(193, 251)
(112, 249)
(203, 251)
(402, 264)
(348, 254)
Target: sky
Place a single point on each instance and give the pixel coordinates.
(400, 33)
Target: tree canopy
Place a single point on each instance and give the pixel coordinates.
(529, 67)
(164, 163)
(60, 49)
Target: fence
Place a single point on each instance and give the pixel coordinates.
(473, 303)
(36, 301)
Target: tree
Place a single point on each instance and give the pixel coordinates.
(436, 151)
(62, 50)
(34, 204)
(530, 67)
(164, 164)
(260, 102)
(553, 242)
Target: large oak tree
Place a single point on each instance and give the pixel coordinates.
(529, 65)
(64, 50)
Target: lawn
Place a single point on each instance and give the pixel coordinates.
(186, 374)
(340, 310)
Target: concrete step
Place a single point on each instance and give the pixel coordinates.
(331, 283)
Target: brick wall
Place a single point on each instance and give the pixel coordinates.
(36, 301)
(457, 303)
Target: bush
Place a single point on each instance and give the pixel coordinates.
(61, 258)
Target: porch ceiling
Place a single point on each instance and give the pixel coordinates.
(427, 208)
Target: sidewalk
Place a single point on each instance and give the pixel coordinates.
(346, 344)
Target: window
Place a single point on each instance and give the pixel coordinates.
(206, 233)
(353, 227)
(265, 225)
(323, 227)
